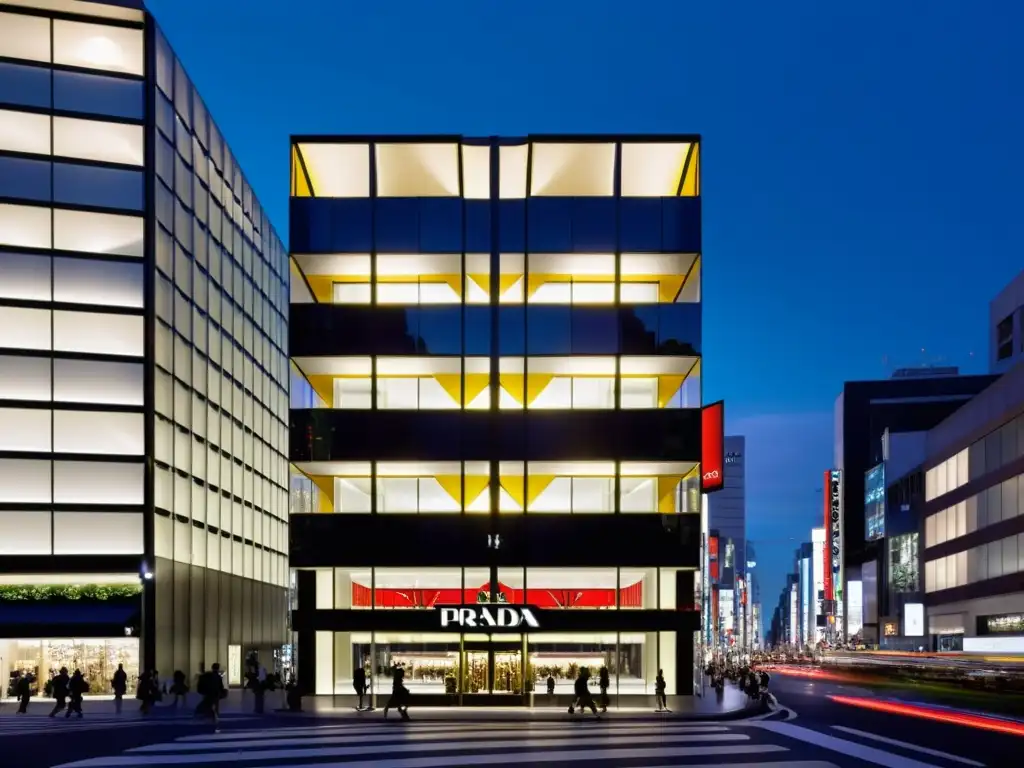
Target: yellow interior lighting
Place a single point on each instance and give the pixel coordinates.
(325, 499)
(452, 485)
(667, 485)
(300, 183)
(691, 183)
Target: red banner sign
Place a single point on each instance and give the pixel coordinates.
(712, 447)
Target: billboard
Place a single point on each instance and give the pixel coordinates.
(874, 503)
(835, 508)
(712, 447)
(913, 620)
(827, 575)
(713, 558)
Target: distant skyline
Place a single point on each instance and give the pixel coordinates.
(861, 165)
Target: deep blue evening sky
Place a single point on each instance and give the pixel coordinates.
(862, 163)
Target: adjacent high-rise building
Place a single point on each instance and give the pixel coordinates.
(143, 365)
(496, 424)
(728, 517)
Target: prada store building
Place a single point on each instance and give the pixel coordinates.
(495, 415)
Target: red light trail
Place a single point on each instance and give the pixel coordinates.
(937, 715)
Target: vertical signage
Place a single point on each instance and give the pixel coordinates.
(713, 558)
(827, 494)
(835, 565)
(712, 447)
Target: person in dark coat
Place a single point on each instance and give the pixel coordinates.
(61, 689)
(23, 690)
(399, 694)
(603, 682)
(119, 684)
(582, 691)
(359, 684)
(78, 686)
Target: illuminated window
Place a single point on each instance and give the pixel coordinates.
(422, 279)
(98, 432)
(97, 140)
(331, 170)
(24, 37)
(98, 46)
(653, 169)
(476, 172)
(105, 283)
(25, 533)
(573, 170)
(24, 226)
(513, 161)
(663, 487)
(24, 131)
(98, 482)
(24, 378)
(96, 333)
(22, 328)
(419, 487)
(103, 233)
(25, 276)
(25, 429)
(97, 533)
(25, 481)
(660, 382)
(417, 170)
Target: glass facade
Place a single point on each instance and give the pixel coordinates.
(143, 313)
(474, 307)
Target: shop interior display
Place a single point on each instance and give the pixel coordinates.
(96, 658)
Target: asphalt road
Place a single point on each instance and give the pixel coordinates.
(819, 734)
(814, 710)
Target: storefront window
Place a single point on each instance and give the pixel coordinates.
(430, 662)
(424, 588)
(97, 658)
(574, 588)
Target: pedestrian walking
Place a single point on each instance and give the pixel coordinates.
(119, 684)
(399, 694)
(659, 693)
(211, 688)
(359, 684)
(179, 688)
(78, 686)
(603, 683)
(23, 690)
(60, 687)
(584, 698)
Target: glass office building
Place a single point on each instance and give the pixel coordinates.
(143, 371)
(495, 412)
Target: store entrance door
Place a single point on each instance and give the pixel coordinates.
(493, 673)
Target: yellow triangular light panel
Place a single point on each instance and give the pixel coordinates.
(667, 485)
(667, 388)
(452, 384)
(535, 486)
(691, 184)
(514, 486)
(301, 186)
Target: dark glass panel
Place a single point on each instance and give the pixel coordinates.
(103, 187)
(478, 330)
(396, 228)
(593, 224)
(98, 95)
(548, 329)
(640, 225)
(440, 329)
(440, 223)
(478, 226)
(26, 86)
(595, 331)
(511, 330)
(512, 226)
(25, 179)
(549, 225)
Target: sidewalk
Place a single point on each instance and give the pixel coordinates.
(731, 705)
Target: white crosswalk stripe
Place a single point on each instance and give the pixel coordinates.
(452, 745)
(33, 725)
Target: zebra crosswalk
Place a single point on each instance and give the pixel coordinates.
(414, 744)
(33, 725)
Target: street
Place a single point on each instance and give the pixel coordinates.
(920, 737)
(818, 734)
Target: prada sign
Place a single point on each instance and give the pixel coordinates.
(489, 616)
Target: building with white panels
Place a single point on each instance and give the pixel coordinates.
(143, 366)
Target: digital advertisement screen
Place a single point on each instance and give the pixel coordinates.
(874, 503)
(712, 445)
